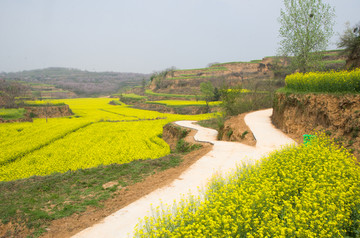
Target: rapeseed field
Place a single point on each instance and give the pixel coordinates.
(330, 82)
(311, 190)
(97, 134)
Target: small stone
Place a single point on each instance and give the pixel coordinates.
(110, 184)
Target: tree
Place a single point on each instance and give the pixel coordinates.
(159, 77)
(143, 85)
(10, 91)
(207, 91)
(306, 27)
(350, 40)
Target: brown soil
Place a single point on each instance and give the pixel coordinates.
(235, 129)
(336, 115)
(42, 112)
(66, 227)
(234, 73)
(50, 112)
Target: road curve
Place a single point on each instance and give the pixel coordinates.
(222, 159)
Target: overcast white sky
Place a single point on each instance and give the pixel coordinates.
(143, 35)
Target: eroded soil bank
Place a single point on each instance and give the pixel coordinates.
(336, 115)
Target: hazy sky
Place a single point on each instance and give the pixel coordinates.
(143, 35)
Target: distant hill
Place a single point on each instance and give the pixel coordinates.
(83, 83)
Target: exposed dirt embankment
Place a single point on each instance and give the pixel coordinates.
(50, 112)
(42, 112)
(336, 115)
(235, 129)
(172, 134)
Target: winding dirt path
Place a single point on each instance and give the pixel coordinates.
(222, 159)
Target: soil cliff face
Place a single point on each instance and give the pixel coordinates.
(42, 112)
(337, 115)
(172, 134)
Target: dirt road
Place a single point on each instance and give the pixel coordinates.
(222, 159)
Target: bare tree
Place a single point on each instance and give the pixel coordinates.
(10, 91)
(350, 41)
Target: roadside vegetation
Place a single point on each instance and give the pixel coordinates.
(61, 172)
(329, 82)
(311, 190)
(31, 204)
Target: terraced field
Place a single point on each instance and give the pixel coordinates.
(97, 134)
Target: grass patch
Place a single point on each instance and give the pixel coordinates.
(12, 114)
(292, 91)
(191, 77)
(328, 62)
(212, 68)
(210, 123)
(130, 95)
(217, 124)
(239, 62)
(149, 92)
(36, 201)
(183, 103)
(184, 147)
(43, 103)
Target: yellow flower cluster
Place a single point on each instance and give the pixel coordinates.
(17, 139)
(98, 134)
(243, 90)
(308, 191)
(343, 81)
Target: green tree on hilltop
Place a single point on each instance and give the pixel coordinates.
(306, 27)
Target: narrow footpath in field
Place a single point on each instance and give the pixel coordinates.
(222, 159)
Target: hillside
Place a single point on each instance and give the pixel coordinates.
(83, 83)
(251, 74)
